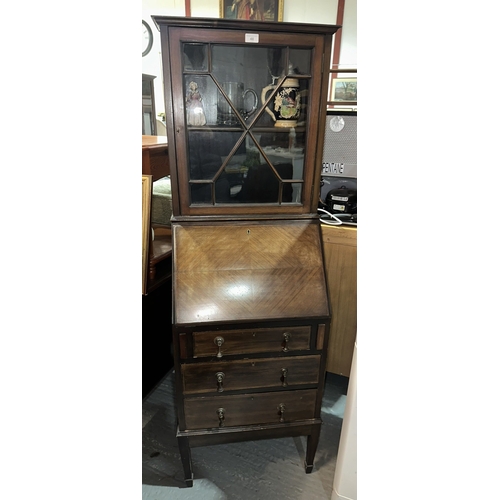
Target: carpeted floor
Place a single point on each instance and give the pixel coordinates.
(248, 470)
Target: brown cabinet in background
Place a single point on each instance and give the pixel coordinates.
(148, 105)
(246, 108)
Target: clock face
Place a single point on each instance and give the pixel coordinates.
(337, 123)
(147, 38)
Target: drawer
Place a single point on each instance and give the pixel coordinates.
(219, 376)
(249, 409)
(227, 342)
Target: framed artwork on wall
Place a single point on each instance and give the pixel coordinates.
(254, 10)
(344, 89)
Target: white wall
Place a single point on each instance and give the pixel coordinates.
(310, 11)
(348, 49)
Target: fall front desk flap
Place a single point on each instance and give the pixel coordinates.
(249, 271)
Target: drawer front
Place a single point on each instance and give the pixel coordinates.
(220, 376)
(249, 409)
(227, 342)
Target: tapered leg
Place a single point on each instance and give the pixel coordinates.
(312, 445)
(185, 452)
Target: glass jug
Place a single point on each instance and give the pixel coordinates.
(237, 95)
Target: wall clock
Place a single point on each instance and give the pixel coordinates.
(337, 123)
(147, 38)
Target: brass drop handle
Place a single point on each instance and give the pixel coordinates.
(281, 410)
(284, 375)
(286, 339)
(220, 381)
(220, 413)
(218, 341)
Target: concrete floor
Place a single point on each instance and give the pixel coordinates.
(249, 470)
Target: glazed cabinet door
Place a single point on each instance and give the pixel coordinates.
(243, 121)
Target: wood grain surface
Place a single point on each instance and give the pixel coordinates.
(250, 341)
(248, 409)
(340, 244)
(250, 374)
(246, 271)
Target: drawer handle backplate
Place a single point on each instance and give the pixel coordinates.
(218, 341)
(286, 339)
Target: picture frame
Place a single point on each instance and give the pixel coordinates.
(147, 186)
(270, 10)
(344, 89)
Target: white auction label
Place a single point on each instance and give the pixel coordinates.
(251, 38)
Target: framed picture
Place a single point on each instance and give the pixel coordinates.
(147, 183)
(254, 10)
(344, 89)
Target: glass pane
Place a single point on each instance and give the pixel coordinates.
(201, 194)
(207, 149)
(224, 96)
(284, 146)
(249, 178)
(296, 192)
(263, 185)
(250, 64)
(146, 88)
(147, 124)
(300, 61)
(195, 57)
(246, 71)
(230, 183)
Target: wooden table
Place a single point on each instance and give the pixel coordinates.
(155, 156)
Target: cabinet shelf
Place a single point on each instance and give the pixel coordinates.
(258, 130)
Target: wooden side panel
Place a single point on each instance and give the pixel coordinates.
(321, 337)
(341, 268)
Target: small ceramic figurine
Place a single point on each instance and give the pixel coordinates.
(194, 106)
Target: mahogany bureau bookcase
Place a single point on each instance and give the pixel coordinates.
(246, 108)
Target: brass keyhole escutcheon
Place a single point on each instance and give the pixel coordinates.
(220, 381)
(220, 414)
(284, 375)
(281, 411)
